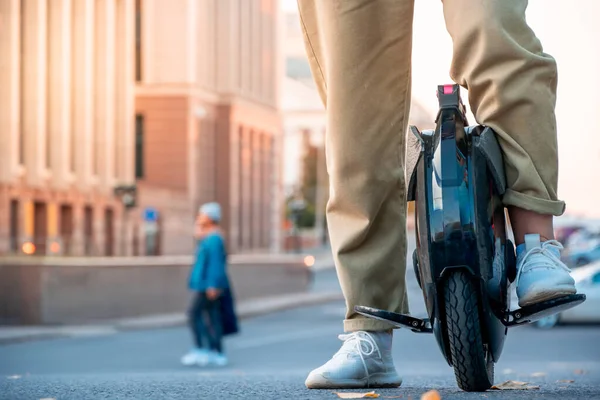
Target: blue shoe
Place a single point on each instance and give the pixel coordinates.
(541, 274)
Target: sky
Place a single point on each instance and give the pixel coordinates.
(570, 32)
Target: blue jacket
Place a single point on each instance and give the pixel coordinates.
(210, 265)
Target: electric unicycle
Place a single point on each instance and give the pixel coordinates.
(464, 261)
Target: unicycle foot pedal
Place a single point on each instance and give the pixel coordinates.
(399, 320)
(543, 309)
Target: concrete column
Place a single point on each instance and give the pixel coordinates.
(246, 195)
(234, 182)
(10, 43)
(276, 192)
(83, 89)
(267, 189)
(105, 79)
(51, 228)
(59, 87)
(253, 33)
(125, 90)
(28, 219)
(257, 189)
(77, 244)
(277, 51)
(34, 68)
(4, 221)
(98, 227)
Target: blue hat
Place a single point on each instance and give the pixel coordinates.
(212, 211)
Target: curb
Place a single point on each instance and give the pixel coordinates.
(248, 309)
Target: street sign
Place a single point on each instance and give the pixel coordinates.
(150, 214)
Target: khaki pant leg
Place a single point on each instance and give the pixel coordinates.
(360, 56)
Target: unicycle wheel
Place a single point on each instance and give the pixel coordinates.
(472, 363)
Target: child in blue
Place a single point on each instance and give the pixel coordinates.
(211, 314)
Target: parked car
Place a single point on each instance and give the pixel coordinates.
(583, 254)
(587, 280)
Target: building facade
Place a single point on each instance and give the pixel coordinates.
(178, 98)
(207, 117)
(66, 127)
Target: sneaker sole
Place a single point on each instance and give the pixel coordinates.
(385, 380)
(548, 295)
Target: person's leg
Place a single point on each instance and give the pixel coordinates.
(512, 88)
(198, 354)
(195, 319)
(215, 332)
(360, 57)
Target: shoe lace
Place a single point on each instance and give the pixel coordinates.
(550, 261)
(361, 343)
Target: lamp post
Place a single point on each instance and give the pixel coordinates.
(127, 194)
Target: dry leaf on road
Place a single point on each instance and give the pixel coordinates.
(515, 385)
(566, 381)
(431, 395)
(369, 395)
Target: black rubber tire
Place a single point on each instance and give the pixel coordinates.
(473, 366)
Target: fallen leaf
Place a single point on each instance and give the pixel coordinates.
(566, 381)
(515, 385)
(14, 377)
(369, 395)
(580, 372)
(538, 374)
(431, 395)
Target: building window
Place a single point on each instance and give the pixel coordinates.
(14, 226)
(139, 146)
(138, 40)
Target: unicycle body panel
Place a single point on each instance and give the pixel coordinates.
(460, 224)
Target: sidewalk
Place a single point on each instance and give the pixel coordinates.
(251, 308)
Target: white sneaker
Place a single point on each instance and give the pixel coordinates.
(363, 361)
(541, 274)
(195, 357)
(218, 359)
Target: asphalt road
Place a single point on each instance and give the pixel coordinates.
(273, 354)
